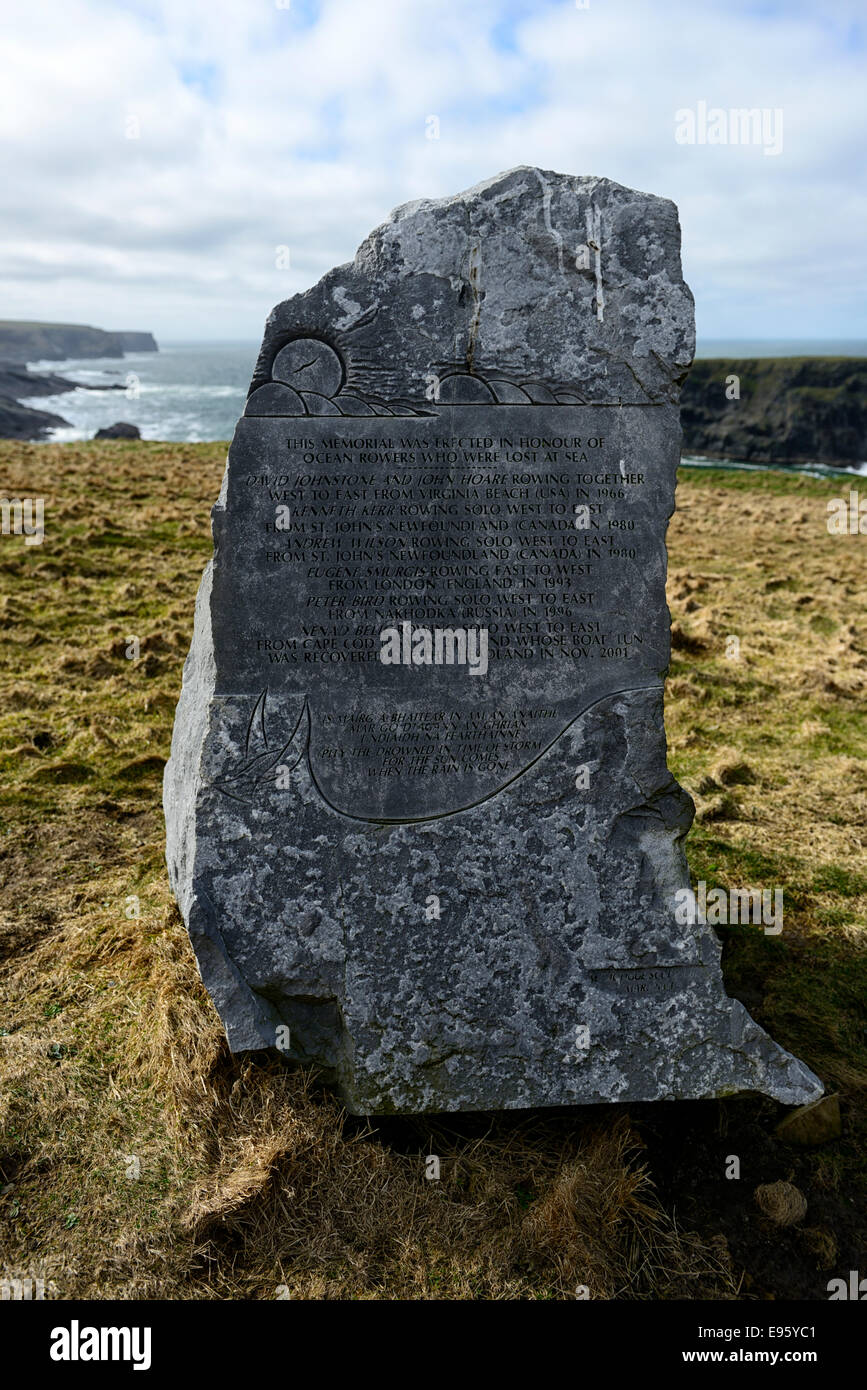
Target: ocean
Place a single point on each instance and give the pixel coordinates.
(186, 391)
(195, 391)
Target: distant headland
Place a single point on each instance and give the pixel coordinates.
(22, 342)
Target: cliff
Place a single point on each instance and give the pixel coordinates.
(17, 383)
(791, 410)
(30, 342)
(24, 422)
(137, 342)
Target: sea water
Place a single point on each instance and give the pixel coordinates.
(195, 391)
(186, 391)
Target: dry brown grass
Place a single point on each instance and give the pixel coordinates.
(251, 1179)
(758, 564)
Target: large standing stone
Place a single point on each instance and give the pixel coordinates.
(420, 823)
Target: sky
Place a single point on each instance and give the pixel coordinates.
(181, 166)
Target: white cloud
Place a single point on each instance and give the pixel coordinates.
(262, 127)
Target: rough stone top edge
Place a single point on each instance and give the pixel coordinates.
(414, 206)
(428, 240)
(579, 182)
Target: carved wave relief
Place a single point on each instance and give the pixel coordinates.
(270, 757)
(309, 377)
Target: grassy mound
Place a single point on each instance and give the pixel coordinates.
(138, 1159)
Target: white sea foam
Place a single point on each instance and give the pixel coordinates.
(810, 470)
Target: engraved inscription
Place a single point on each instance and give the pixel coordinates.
(447, 592)
(659, 979)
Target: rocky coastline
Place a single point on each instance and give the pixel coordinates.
(782, 411)
(21, 343)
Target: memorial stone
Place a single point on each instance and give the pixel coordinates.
(420, 822)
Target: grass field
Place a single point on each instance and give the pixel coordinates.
(138, 1159)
